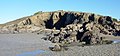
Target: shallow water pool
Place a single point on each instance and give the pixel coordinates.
(116, 41)
(32, 53)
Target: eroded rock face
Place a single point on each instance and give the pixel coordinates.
(72, 26)
(79, 21)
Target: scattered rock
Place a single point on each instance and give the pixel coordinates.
(71, 26)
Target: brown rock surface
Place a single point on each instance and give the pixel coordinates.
(70, 21)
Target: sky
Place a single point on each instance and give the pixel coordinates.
(14, 9)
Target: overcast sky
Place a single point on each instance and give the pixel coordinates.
(14, 9)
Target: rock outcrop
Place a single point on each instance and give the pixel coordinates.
(72, 25)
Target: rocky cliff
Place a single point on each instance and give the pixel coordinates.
(70, 26)
(63, 19)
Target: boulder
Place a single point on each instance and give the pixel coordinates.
(86, 37)
(56, 48)
(56, 39)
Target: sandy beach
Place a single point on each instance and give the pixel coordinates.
(15, 44)
(32, 45)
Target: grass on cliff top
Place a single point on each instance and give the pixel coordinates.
(114, 19)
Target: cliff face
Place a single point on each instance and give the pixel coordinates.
(62, 19)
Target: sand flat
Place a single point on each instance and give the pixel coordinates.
(14, 44)
(20, 44)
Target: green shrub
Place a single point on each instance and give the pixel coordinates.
(37, 12)
(114, 19)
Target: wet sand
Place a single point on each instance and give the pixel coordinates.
(15, 44)
(32, 45)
